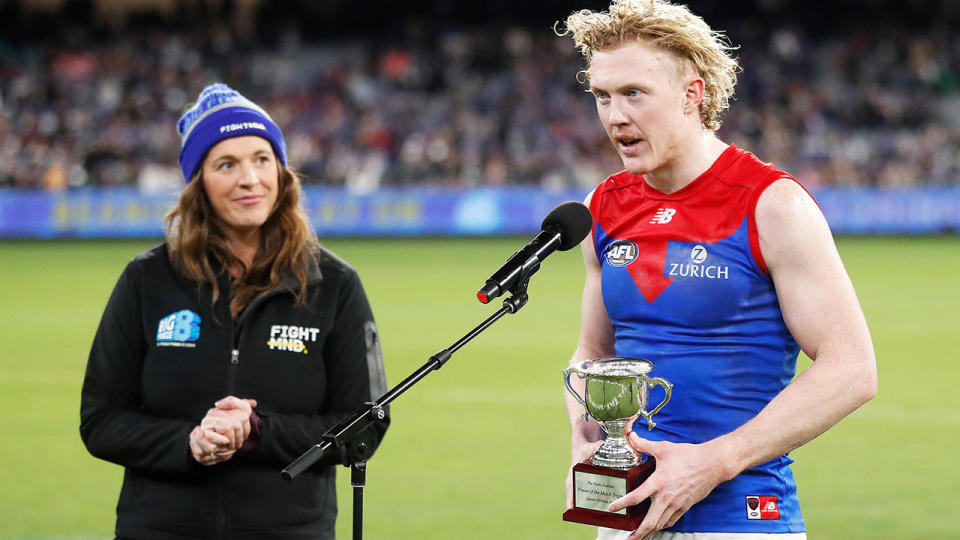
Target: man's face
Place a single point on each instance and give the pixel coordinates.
(640, 101)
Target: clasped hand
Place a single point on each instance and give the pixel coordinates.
(685, 474)
(222, 431)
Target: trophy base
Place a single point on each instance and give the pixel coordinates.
(595, 487)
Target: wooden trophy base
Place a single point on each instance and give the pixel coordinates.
(595, 487)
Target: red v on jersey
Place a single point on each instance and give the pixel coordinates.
(707, 210)
(684, 286)
(648, 272)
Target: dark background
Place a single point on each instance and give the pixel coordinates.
(25, 20)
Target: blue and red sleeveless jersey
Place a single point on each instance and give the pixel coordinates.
(685, 286)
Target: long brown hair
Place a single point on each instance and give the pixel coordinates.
(197, 243)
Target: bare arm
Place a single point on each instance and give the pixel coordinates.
(596, 340)
(821, 310)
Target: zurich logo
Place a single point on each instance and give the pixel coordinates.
(698, 254)
(621, 253)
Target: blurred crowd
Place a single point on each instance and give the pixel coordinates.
(472, 106)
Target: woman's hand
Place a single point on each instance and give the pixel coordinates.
(230, 417)
(209, 447)
(222, 431)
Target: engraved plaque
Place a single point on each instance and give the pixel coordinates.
(597, 491)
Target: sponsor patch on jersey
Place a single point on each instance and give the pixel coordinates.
(291, 338)
(621, 253)
(762, 507)
(689, 260)
(698, 254)
(179, 329)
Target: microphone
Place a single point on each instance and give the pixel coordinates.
(563, 228)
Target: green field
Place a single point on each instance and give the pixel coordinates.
(479, 449)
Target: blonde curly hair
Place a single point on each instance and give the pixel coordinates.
(671, 27)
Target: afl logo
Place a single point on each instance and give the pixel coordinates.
(621, 253)
(698, 254)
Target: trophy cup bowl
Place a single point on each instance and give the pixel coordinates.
(615, 390)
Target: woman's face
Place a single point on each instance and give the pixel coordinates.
(240, 176)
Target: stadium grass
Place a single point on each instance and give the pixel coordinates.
(479, 448)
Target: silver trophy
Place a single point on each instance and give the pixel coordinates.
(616, 391)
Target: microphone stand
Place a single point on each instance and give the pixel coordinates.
(344, 432)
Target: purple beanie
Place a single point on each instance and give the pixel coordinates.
(221, 113)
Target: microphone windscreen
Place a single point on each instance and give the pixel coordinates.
(572, 220)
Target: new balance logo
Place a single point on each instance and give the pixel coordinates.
(663, 215)
(762, 507)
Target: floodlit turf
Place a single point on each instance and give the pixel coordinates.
(478, 450)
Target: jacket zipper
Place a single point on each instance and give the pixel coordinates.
(232, 371)
(236, 329)
(223, 486)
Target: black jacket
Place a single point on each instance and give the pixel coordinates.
(163, 355)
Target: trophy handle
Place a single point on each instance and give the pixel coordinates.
(668, 388)
(566, 379)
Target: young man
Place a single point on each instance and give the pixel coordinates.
(718, 268)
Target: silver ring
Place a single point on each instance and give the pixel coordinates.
(210, 455)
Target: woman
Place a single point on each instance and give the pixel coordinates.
(228, 351)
